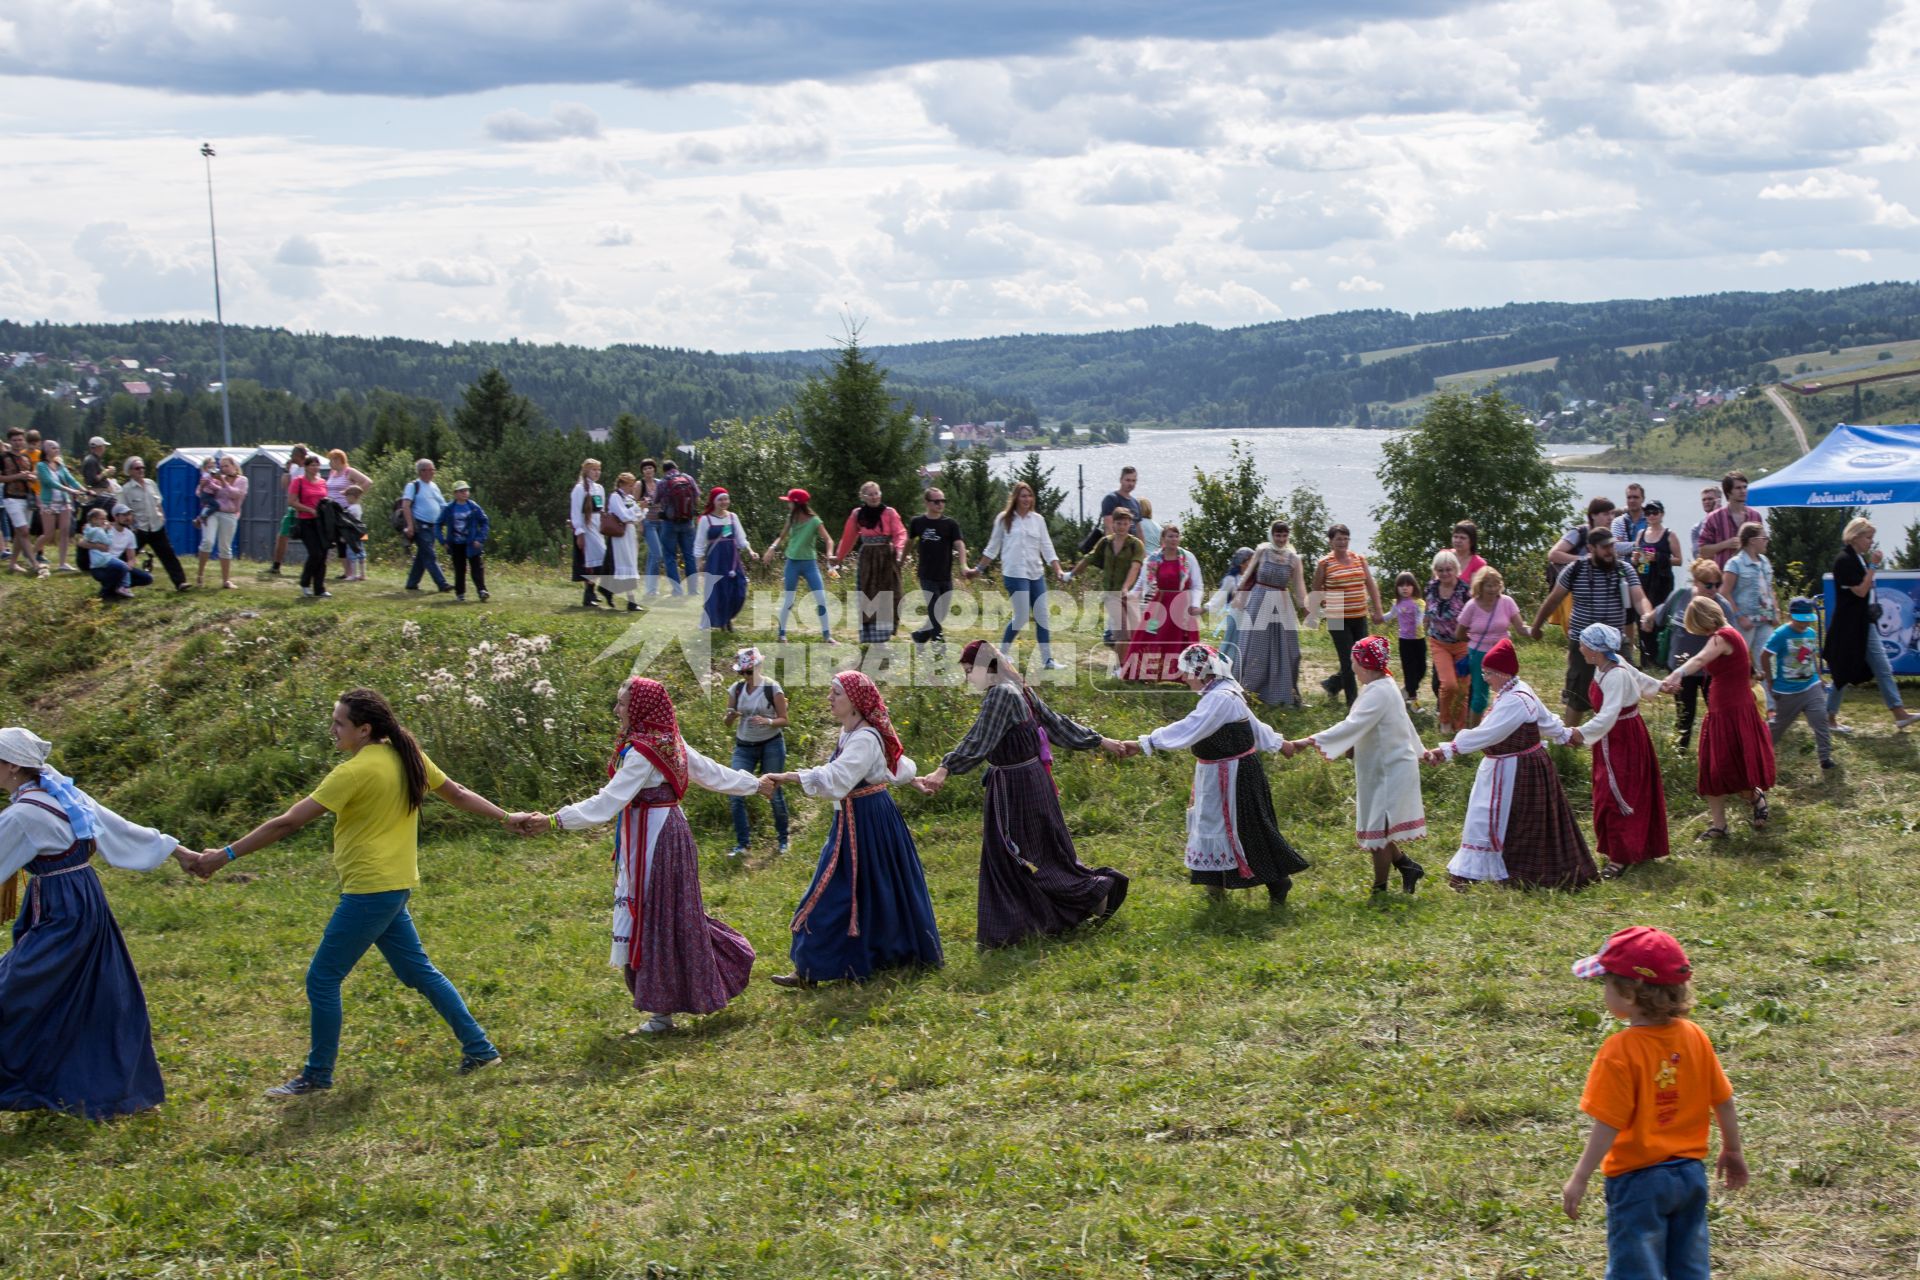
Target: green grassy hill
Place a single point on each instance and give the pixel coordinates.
(1336, 1090)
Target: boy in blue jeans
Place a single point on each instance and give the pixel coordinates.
(1650, 1091)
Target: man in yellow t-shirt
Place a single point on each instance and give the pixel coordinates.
(374, 796)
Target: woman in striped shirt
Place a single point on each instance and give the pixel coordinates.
(1350, 597)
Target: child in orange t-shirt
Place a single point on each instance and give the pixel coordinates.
(1650, 1091)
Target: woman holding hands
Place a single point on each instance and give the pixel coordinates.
(374, 797)
(675, 957)
(867, 908)
(76, 1037)
(1031, 880)
(1024, 548)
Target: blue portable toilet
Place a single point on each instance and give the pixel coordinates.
(178, 476)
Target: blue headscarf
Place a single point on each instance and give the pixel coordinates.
(1606, 639)
(30, 751)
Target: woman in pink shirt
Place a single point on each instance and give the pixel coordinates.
(1489, 612)
(305, 495)
(228, 489)
(874, 533)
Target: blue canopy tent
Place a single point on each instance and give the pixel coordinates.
(1859, 467)
(1852, 467)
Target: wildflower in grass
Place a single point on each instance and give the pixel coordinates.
(409, 630)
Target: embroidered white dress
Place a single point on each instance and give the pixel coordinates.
(637, 774)
(1386, 765)
(1213, 842)
(1491, 805)
(626, 547)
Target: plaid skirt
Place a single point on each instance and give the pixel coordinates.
(879, 591)
(1544, 847)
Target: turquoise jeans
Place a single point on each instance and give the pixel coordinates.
(380, 920)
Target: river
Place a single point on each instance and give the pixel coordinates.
(1341, 463)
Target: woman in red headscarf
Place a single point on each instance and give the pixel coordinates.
(720, 545)
(1519, 826)
(867, 908)
(676, 957)
(1379, 735)
(1031, 880)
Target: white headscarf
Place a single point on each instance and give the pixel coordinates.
(30, 751)
(1606, 639)
(23, 747)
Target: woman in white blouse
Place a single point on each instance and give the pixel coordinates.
(674, 956)
(1024, 548)
(74, 1032)
(867, 908)
(584, 506)
(623, 504)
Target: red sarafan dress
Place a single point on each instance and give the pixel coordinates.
(1736, 752)
(1629, 802)
(1167, 627)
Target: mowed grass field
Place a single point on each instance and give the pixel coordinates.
(1339, 1089)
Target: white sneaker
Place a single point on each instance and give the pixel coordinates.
(738, 851)
(1844, 730)
(1051, 665)
(1906, 721)
(658, 1024)
(306, 591)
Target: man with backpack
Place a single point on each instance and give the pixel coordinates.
(1602, 589)
(416, 516)
(674, 513)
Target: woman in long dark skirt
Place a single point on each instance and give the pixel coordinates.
(1031, 880)
(867, 908)
(74, 1032)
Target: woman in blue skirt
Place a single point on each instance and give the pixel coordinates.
(74, 1034)
(720, 546)
(867, 908)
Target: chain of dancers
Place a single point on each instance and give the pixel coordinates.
(74, 1029)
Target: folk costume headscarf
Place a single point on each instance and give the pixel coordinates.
(866, 699)
(1371, 653)
(649, 726)
(1502, 658)
(712, 493)
(1604, 639)
(28, 750)
(1205, 660)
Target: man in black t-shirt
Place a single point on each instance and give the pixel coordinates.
(936, 541)
(1121, 497)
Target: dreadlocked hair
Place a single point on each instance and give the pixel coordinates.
(367, 708)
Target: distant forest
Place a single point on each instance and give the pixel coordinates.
(583, 387)
(1339, 369)
(1311, 372)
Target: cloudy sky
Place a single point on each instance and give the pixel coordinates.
(739, 174)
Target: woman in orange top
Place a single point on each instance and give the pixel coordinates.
(1350, 598)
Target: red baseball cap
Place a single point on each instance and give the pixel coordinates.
(1650, 955)
(796, 495)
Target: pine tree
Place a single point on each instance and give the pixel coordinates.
(488, 410)
(974, 494)
(851, 432)
(1910, 553)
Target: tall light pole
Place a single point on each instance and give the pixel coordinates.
(220, 320)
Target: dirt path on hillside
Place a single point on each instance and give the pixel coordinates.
(1793, 419)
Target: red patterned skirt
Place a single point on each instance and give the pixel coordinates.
(1629, 801)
